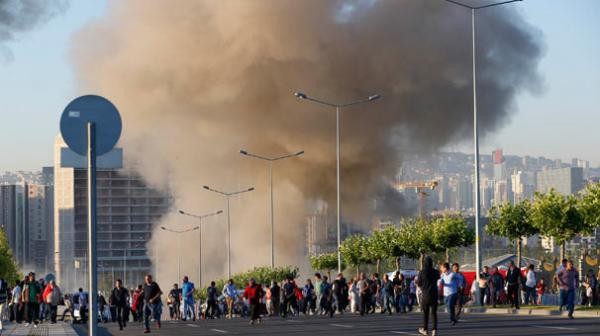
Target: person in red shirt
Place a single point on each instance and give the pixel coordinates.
(253, 293)
(541, 290)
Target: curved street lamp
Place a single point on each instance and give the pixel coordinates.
(338, 106)
(270, 160)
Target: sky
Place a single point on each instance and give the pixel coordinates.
(560, 122)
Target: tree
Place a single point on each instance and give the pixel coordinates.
(416, 235)
(513, 222)
(450, 232)
(8, 265)
(557, 216)
(355, 251)
(380, 245)
(325, 262)
(589, 205)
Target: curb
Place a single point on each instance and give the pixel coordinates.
(532, 312)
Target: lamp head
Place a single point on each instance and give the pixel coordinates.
(250, 189)
(243, 152)
(299, 153)
(163, 228)
(219, 212)
(182, 212)
(206, 187)
(374, 97)
(300, 95)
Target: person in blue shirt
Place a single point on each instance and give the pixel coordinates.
(450, 291)
(461, 284)
(187, 291)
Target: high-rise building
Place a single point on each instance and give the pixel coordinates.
(499, 165)
(464, 195)
(523, 186)
(127, 212)
(318, 231)
(14, 215)
(580, 163)
(40, 220)
(566, 181)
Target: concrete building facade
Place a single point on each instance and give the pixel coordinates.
(127, 212)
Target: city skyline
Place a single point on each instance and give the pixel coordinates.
(565, 62)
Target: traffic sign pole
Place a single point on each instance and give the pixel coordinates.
(91, 184)
(91, 126)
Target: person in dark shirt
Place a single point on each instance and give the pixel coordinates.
(427, 281)
(152, 303)
(275, 297)
(375, 286)
(387, 294)
(175, 299)
(289, 297)
(483, 285)
(397, 281)
(513, 281)
(339, 287)
(211, 301)
(496, 284)
(118, 298)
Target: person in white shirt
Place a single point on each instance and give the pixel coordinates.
(530, 284)
(230, 293)
(450, 291)
(17, 292)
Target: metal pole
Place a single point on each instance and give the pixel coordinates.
(228, 241)
(272, 218)
(179, 263)
(476, 145)
(125, 267)
(337, 143)
(93, 299)
(200, 254)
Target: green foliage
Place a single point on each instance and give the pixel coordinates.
(450, 232)
(511, 221)
(557, 216)
(589, 205)
(262, 275)
(417, 237)
(8, 265)
(380, 244)
(355, 250)
(325, 262)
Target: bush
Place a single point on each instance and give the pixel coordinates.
(262, 275)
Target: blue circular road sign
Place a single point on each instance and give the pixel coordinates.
(91, 109)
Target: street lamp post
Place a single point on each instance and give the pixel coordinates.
(200, 217)
(270, 160)
(227, 196)
(124, 267)
(301, 95)
(179, 244)
(476, 130)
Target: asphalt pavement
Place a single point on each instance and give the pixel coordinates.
(376, 324)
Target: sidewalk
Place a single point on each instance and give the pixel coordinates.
(45, 329)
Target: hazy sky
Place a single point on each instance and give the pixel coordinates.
(561, 122)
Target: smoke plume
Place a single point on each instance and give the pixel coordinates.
(20, 16)
(196, 81)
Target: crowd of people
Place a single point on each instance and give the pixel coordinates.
(34, 301)
(29, 301)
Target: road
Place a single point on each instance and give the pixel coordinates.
(472, 324)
